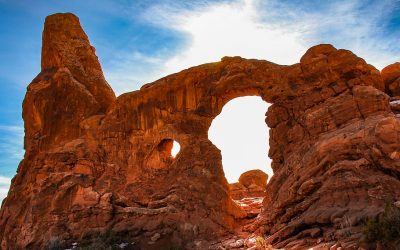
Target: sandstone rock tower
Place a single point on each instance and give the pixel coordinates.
(96, 163)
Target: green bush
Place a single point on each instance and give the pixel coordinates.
(385, 229)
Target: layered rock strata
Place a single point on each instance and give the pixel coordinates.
(251, 183)
(95, 163)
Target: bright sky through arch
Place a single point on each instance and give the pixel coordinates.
(240, 132)
(141, 41)
(176, 147)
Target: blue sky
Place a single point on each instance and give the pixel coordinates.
(141, 41)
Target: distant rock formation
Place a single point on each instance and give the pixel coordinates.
(95, 163)
(391, 78)
(251, 183)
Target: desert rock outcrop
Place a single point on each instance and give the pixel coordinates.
(251, 183)
(391, 78)
(96, 163)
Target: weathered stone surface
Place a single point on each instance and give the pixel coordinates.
(251, 183)
(72, 50)
(95, 163)
(70, 88)
(391, 78)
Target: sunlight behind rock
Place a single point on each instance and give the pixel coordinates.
(176, 147)
(240, 132)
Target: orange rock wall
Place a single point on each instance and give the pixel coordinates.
(95, 162)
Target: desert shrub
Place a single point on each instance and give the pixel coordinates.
(261, 244)
(55, 244)
(385, 229)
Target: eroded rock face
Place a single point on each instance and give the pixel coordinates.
(91, 159)
(251, 183)
(391, 78)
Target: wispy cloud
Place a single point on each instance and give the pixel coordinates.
(4, 186)
(4, 180)
(12, 128)
(274, 30)
(278, 31)
(131, 70)
(11, 153)
(360, 26)
(226, 29)
(11, 141)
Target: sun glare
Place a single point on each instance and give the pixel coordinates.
(240, 132)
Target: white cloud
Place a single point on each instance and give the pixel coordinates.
(272, 30)
(4, 186)
(356, 26)
(4, 180)
(12, 128)
(130, 71)
(11, 141)
(11, 148)
(227, 29)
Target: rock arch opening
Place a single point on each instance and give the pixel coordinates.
(240, 132)
(163, 154)
(169, 147)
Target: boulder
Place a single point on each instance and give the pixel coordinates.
(251, 183)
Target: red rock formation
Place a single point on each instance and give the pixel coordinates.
(70, 88)
(251, 184)
(391, 78)
(96, 163)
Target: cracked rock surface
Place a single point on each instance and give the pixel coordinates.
(97, 163)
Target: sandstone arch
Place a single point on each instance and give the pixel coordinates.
(334, 142)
